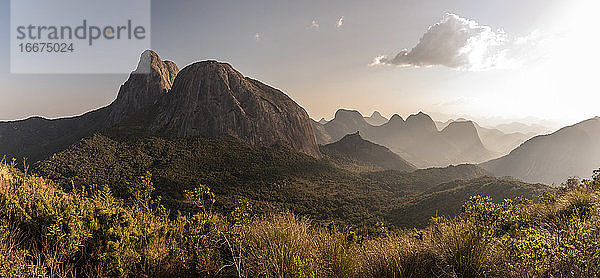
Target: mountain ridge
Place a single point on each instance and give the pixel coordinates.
(415, 139)
(263, 115)
(552, 158)
(362, 152)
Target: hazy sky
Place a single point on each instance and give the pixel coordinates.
(507, 59)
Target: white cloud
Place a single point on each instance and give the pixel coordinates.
(340, 22)
(315, 24)
(463, 44)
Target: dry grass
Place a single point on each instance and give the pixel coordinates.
(45, 232)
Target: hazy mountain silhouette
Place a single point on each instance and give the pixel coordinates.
(354, 150)
(321, 134)
(552, 158)
(376, 119)
(417, 139)
(498, 142)
(529, 129)
(441, 125)
(323, 121)
(345, 122)
(420, 123)
(464, 136)
(391, 133)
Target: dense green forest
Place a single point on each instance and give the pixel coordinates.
(276, 179)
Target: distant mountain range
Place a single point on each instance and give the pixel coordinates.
(523, 128)
(500, 142)
(417, 139)
(568, 152)
(427, 143)
(497, 141)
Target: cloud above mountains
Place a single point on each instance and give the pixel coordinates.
(462, 44)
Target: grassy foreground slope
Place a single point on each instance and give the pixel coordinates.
(272, 178)
(45, 232)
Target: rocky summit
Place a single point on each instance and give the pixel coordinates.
(206, 99)
(152, 78)
(213, 100)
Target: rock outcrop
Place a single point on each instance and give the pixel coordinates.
(322, 135)
(152, 79)
(208, 99)
(213, 100)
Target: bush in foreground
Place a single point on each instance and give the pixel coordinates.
(46, 232)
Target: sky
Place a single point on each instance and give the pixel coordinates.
(494, 61)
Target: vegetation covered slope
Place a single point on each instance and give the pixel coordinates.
(46, 232)
(353, 150)
(270, 177)
(37, 138)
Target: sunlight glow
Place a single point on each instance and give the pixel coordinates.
(562, 84)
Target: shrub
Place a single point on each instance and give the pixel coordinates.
(46, 232)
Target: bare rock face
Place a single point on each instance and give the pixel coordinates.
(322, 135)
(206, 99)
(152, 79)
(213, 100)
